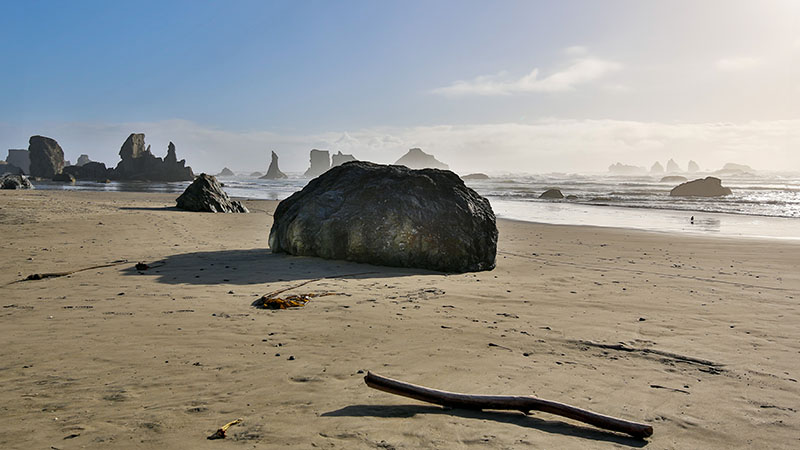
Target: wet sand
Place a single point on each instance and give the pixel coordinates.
(161, 358)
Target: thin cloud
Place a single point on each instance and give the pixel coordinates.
(737, 64)
(581, 71)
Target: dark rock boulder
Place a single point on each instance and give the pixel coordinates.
(20, 158)
(64, 177)
(417, 159)
(47, 157)
(83, 160)
(475, 176)
(340, 158)
(673, 179)
(226, 173)
(205, 194)
(320, 163)
(388, 215)
(138, 163)
(10, 181)
(552, 194)
(274, 172)
(90, 171)
(704, 187)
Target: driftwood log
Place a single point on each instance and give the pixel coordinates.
(524, 403)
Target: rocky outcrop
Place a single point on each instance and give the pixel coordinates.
(673, 179)
(274, 172)
(693, 167)
(417, 159)
(672, 166)
(205, 194)
(388, 215)
(226, 173)
(138, 163)
(64, 178)
(320, 163)
(10, 181)
(657, 168)
(625, 169)
(340, 158)
(552, 194)
(9, 168)
(47, 157)
(256, 175)
(20, 158)
(83, 160)
(94, 171)
(475, 176)
(704, 187)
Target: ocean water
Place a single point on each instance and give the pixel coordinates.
(762, 205)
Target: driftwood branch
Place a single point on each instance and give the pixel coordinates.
(522, 403)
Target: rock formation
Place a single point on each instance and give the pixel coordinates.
(139, 164)
(83, 160)
(10, 181)
(274, 172)
(673, 179)
(693, 167)
(256, 175)
(320, 163)
(625, 169)
(226, 173)
(20, 158)
(417, 159)
(205, 194)
(340, 158)
(64, 177)
(47, 158)
(9, 168)
(672, 166)
(388, 215)
(475, 176)
(656, 168)
(94, 171)
(552, 194)
(703, 187)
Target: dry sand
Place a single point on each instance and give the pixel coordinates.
(160, 359)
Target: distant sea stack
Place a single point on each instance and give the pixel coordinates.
(672, 166)
(274, 172)
(625, 169)
(138, 163)
(693, 167)
(704, 187)
(320, 163)
(47, 157)
(83, 160)
(656, 168)
(475, 176)
(340, 158)
(417, 159)
(673, 179)
(226, 173)
(20, 158)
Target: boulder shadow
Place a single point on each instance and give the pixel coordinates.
(258, 266)
(547, 426)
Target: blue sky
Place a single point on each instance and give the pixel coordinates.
(229, 81)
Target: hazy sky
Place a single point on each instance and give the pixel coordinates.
(493, 85)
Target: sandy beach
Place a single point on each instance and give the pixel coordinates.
(697, 336)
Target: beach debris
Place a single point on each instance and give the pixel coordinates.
(523, 403)
(220, 433)
(42, 276)
(290, 301)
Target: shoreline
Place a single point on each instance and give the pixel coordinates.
(162, 358)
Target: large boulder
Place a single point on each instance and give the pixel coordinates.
(47, 157)
(552, 194)
(138, 163)
(320, 163)
(388, 215)
(274, 172)
(93, 170)
(704, 187)
(20, 158)
(10, 181)
(340, 158)
(417, 159)
(205, 194)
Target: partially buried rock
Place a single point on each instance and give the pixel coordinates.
(388, 215)
(552, 194)
(206, 195)
(12, 181)
(704, 187)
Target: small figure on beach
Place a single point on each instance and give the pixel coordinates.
(691, 220)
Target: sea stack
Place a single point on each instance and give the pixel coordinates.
(390, 216)
(274, 172)
(226, 173)
(340, 158)
(657, 168)
(20, 158)
(138, 163)
(47, 157)
(704, 187)
(320, 163)
(83, 160)
(693, 167)
(415, 158)
(672, 166)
